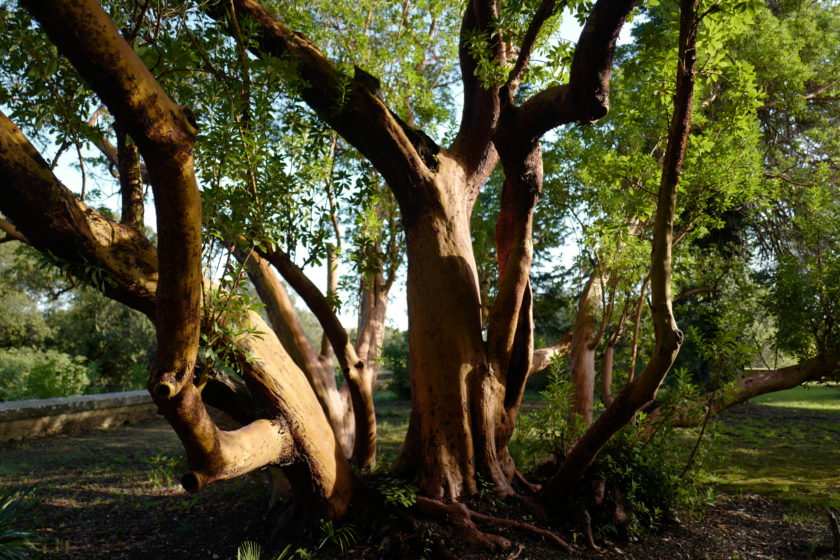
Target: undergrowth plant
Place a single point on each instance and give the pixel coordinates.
(164, 470)
(641, 470)
(14, 543)
(548, 430)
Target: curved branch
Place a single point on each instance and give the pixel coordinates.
(546, 10)
(668, 337)
(58, 224)
(164, 133)
(347, 103)
(356, 372)
(815, 369)
(544, 356)
(472, 145)
(586, 98)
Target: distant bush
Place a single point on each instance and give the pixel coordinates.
(27, 373)
(395, 358)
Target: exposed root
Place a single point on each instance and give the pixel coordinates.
(463, 519)
(532, 488)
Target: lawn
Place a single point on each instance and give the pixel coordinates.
(811, 396)
(784, 445)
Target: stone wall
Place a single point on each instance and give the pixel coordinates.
(40, 417)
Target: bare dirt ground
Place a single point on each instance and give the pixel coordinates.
(113, 495)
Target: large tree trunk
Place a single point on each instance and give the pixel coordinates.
(445, 348)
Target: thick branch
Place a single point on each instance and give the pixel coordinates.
(54, 221)
(356, 372)
(472, 146)
(586, 97)
(583, 346)
(218, 455)
(668, 337)
(510, 329)
(544, 356)
(12, 232)
(58, 224)
(346, 103)
(815, 369)
(164, 133)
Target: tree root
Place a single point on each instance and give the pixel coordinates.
(532, 488)
(463, 518)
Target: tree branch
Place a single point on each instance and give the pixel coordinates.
(544, 356)
(668, 337)
(56, 223)
(164, 133)
(585, 98)
(817, 368)
(346, 103)
(53, 220)
(472, 145)
(546, 10)
(356, 372)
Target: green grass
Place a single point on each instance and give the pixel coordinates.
(787, 449)
(809, 397)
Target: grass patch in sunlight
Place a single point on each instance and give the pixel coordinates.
(811, 396)
(787, 449)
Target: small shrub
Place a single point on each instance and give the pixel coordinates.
(250, 550)
(343, 537)
(640, 471)
(546, 431)
(647, 473)
(164, 470)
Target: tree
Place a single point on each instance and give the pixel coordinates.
(469, 359)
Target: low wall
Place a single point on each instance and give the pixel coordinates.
(40, 417)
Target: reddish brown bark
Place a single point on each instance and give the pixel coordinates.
(583, 348)
(668, 337)
(466, 391)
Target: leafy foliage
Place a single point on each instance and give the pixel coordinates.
(549, 429)
(118, 340)
(342, 536)
(395, 358)
(396, 491)
(647, 474)
(27, 373)
(14, 544)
